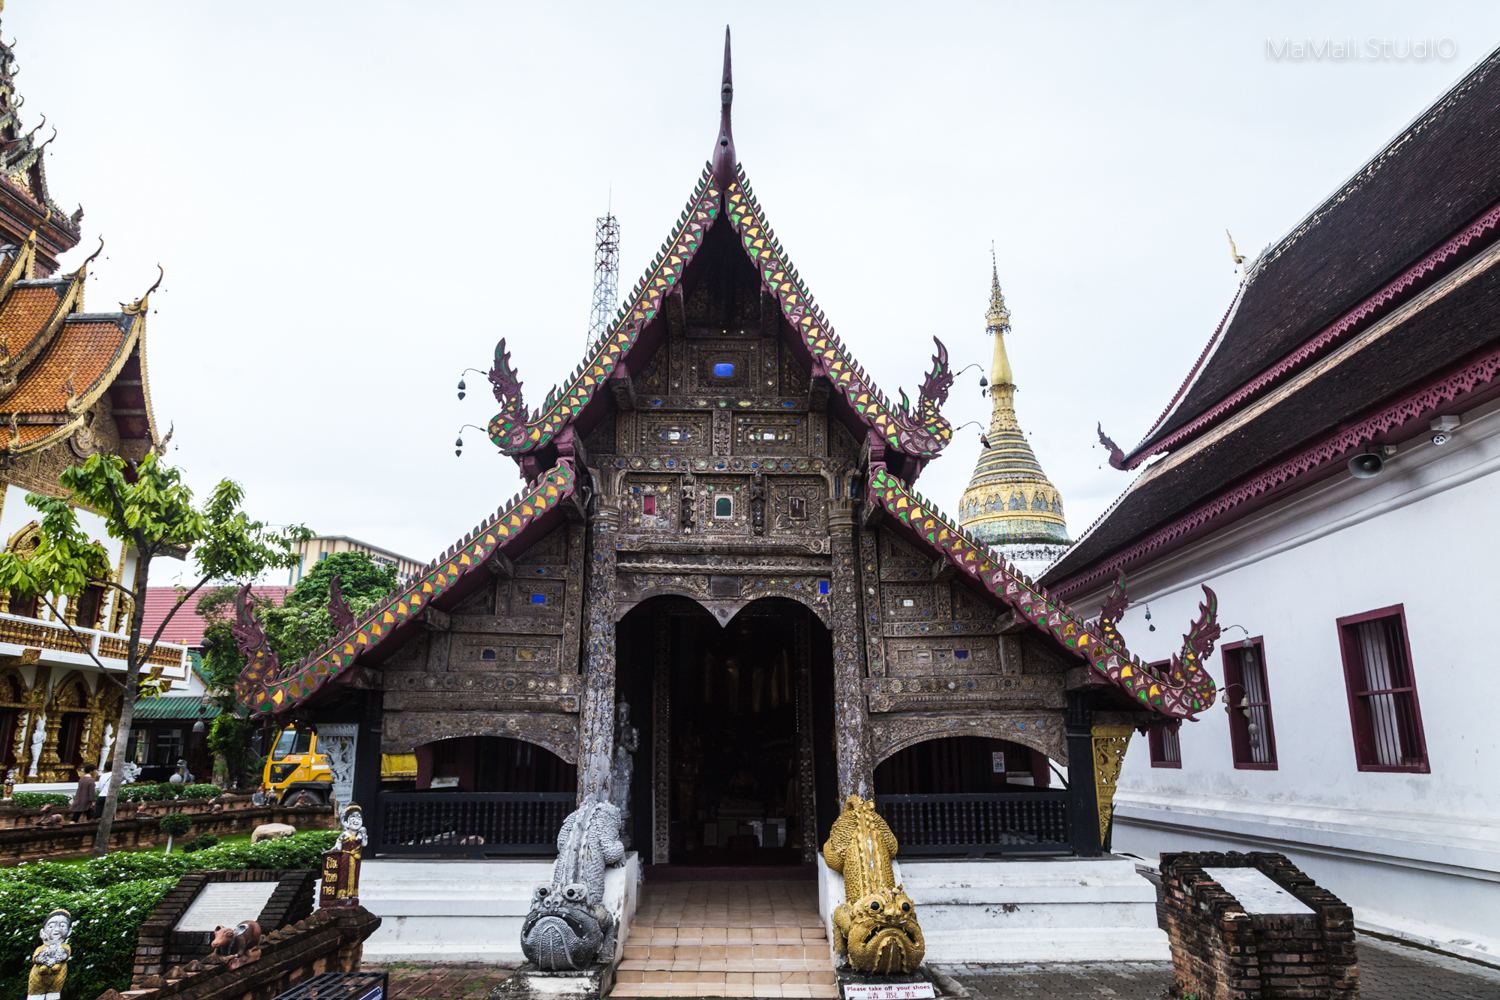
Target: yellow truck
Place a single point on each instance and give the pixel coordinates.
(294, 767)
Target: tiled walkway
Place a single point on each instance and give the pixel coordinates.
(736, 939)
(1386, 972)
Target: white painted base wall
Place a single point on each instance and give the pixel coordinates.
(1042, 910)
(470, 911)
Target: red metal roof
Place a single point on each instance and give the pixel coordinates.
(186, 628)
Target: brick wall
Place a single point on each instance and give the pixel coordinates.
(27, 842)
(327, 941)
(159, 946)
(1220, 952)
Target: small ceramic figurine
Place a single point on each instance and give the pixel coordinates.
(49, 963)
(340, 886)
(239, 944)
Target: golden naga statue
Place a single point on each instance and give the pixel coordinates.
(875, 929)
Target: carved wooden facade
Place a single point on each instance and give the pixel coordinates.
(720, 445)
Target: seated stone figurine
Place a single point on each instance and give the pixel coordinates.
(568, 927)
(875, 928)
(49, 962)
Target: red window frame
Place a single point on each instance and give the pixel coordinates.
(1259, 705)
(1386, 718)
(1158, 739)
(1166, 748)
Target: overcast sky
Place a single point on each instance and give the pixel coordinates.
(354, 201)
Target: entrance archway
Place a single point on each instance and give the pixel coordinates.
(732, 720)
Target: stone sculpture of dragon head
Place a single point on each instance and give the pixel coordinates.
(568, 927)
(875, 929)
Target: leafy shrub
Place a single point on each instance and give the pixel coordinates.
(168, 792)
(198, 843)
(35, 800)
(110, 897)
(175, 824)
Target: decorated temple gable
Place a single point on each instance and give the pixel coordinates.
(740, 329)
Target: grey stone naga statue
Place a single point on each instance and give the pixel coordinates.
(622, 769)
(568, 927)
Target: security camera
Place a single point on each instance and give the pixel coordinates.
(1443, 428)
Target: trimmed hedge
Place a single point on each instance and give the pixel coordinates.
(35, 800)
(110, 897)
(201, 842)
(167, 792)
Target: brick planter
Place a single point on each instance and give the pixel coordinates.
(159, 946)
(327, 941)
(138, 828)
(1221, 952)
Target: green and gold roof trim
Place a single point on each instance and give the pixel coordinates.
(265, 688)
(1181, 690)
(923, 432)
(513, 432)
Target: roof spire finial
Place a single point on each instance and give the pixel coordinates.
(724, 159)
(997, 319)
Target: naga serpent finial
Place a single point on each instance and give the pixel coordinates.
(338, 608)
(1115, 603)
(1198, 643)
(1116, 456)
(138, 307)
(506, 383)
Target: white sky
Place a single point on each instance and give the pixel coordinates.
(354, 201)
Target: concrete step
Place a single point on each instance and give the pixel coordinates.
(812, 985)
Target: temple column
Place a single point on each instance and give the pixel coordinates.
(850, 715)
(596, 726)
(1083, 803)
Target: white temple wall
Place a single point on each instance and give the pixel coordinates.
(1416, 855)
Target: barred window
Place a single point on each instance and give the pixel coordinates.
(1383, 707)
(1166, 750)
(1252, 738)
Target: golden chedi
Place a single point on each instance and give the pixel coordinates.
(1010, 504)
(875, 929)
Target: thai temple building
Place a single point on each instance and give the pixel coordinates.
(721, 604)
(72, 384)
(1011, 504)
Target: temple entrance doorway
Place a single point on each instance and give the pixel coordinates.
(731, 717)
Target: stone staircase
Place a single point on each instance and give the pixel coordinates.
(727, 939)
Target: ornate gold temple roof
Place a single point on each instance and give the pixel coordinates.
(1009, 501)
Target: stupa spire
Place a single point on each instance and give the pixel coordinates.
(1010, 502)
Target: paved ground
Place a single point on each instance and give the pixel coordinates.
(440, 982)
(1387, 972)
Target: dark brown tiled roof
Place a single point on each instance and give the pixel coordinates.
(1436, 176)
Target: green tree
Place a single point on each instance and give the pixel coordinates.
(294, 630)
(148, 507)
(174, 825)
